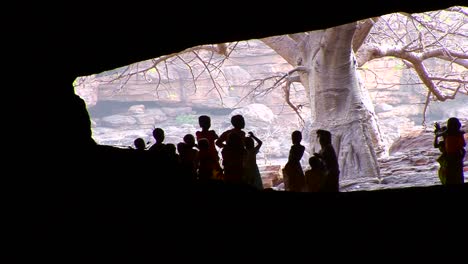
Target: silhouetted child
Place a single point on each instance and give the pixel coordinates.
(139, 144)
(293, 174)
(205, 123)
(314, 177)
(251, 172)
(158, 146)
(171, 160)
(238, 124)
(328, 156)
(442, 159)
(141, 154)
(455, 151)
(208, 165)
(233, 156)
(188, 157)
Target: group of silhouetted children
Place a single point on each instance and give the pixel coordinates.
(323, 174)
(196, 158)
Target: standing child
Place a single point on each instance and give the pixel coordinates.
(328, 156)
(455, 151)
(292, 172)
(233, 159)
(205, 123)
(208, 165)
(238, 123)
(251, 172)
(188, 157)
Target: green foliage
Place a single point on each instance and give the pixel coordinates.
(187, 119)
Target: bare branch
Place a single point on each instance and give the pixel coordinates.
(456, 90)
(426, 104)
(293, 79)
(286, 90)
(191, 72)
(363, 29)
(458, 9)
(459, 58)
(416, 61)
(430, 32)
(259, 85)
(215, 86)
(448, 80)
(279, 80)
(298, 37)
(299, 68)
(285, 46)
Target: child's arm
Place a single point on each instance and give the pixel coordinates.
(259, 142)
(220, 141)
(215, 136)
(436, 141)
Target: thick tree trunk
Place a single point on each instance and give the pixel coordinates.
(338, 101)
(340, 104)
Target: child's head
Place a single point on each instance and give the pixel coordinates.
(139, 144)
(296, 137)
(203, 144)
(170, 148)
(315, 162)
(238, 121)
(204, 121)
(249, 143)
(158, 134)
(324, 137)
(453, 124)
(189, 140)
(180, 148)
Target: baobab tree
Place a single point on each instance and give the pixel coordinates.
(327, 63)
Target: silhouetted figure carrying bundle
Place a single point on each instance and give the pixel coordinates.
(328, 155)
(455, 151)
(293, 174)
